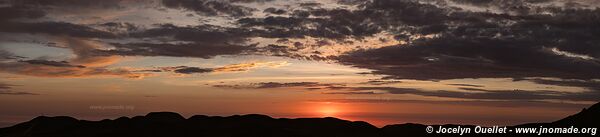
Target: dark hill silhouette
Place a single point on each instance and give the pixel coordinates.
(169, 124)
(589, 117)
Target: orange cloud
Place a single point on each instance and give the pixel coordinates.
(86, 61)
(248, 66)
(227, 69)
(66, 72)
(84, 51)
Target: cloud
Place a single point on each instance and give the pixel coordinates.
(68, 3)
(85, 63)
(202, 41)
(310, 4)
(189, 70)
(9, 13)
(293, 84)
(5, 55)
(4, 92)
(54, 28)
(210, 7)
(516, 7)
(252, 65)
(33, 9)
(264, 85)
(175, 50)
(5, 86)
(453, 58)
(6, 89)
(467, 85)
(224, 69)
(485, 94)
(182, 70)
(443, 42)
(352, 2)
(43, 70)
(275, 11)
(353, 93)
(52, 63)
(119, 27)
(250, 1)
(511, 104)
(572, 55)
(435, 40)
(15, 11)
(591, 85)
(468, 46)
(382, 82)
(338, 24)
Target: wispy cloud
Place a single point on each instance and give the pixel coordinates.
(85, 63)
(242, 67)
(6, 89)
(484, 94)
(264, 85)
(485, 103)
(467, 85)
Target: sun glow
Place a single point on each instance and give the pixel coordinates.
(328, 109)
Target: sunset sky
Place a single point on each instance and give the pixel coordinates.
(485, 62)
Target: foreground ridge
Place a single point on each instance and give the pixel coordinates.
(170, 124)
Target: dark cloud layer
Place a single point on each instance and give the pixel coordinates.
(510, 104)
(175, 50)
(484, 45)
(68, 3)
(465, 44)
(211, 7)
(190, 70)
(203, 41)
(197, 41)
(467, 85)
(484, 94)
(332, 24)
(181, 70)
(441, 40)
(10, 16)
(54, 28)
(465, 91)
(452, 58)
(382, 82)
(52, 63)
(591, 85)
(275, 11)
(7, 13)
(250, 1)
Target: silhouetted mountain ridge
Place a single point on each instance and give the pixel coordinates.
(169, 124)
(588, 117)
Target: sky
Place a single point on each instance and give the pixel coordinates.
(485, 62)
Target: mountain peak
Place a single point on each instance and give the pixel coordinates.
(586, 118)
(167, 115)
